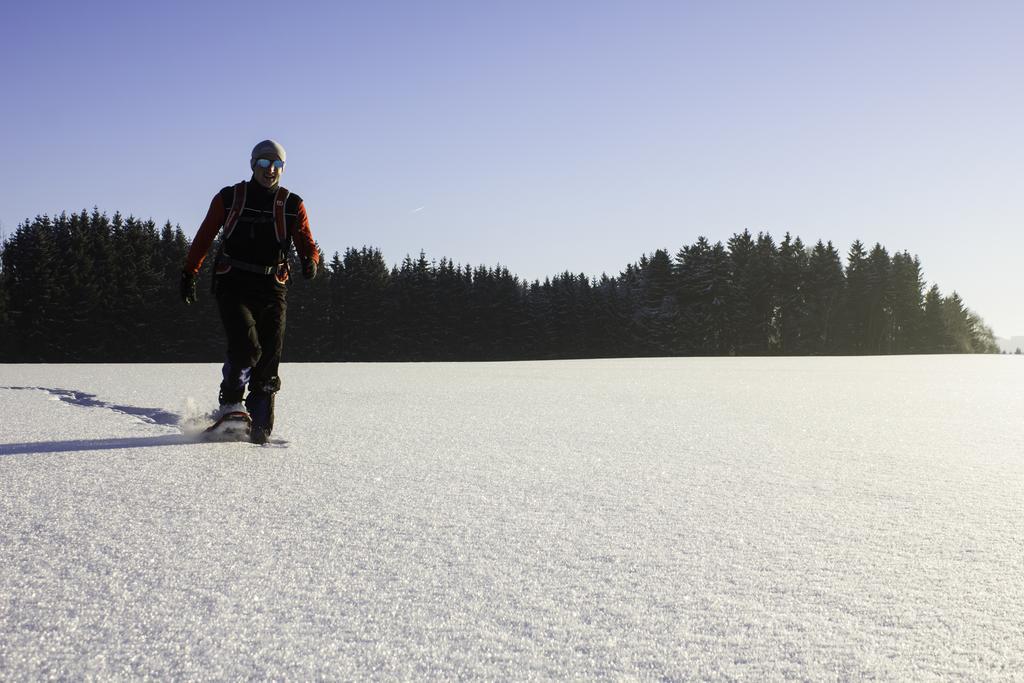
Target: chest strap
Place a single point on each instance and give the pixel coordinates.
(225, 260)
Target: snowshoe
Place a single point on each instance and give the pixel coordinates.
(230, 424)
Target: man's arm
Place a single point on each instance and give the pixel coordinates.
(303, 237)
(204, 238)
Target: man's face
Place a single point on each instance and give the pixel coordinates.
(267, 172)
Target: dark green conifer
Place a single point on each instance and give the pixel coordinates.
(792, 309)
(825, 285)
(856, 303)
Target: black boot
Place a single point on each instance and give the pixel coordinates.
(260, 403)
(258, 435)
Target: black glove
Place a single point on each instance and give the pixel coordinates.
(308, 268)
(188, 288)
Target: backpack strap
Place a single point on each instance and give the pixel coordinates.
(237, 205)
(280, 225)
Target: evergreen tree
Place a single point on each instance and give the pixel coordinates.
(333, 317)
(935, 337)
(361, 308)
(567, 321)
(540, 338)
(702, 281)
(746, 332)
(510, 321)
(307, 329)
(961, 327)
(765, 277)
(626, 314)
(793, 263)
(907, 304)
(659, 312)
(31, 262)
(5, 324)
(611, 331)
(825, 285)
(879, 301)
(453, 296)
(856, 303)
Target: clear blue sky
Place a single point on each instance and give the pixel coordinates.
(546, 136)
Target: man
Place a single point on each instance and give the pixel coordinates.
(261, 220)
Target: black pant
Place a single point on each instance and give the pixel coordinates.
(252, 308)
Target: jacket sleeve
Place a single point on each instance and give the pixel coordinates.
(204, 238)
(303, 237)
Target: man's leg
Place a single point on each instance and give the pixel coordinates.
(265, 382)
(243, 345)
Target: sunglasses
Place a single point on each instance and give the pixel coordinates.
(267, 163)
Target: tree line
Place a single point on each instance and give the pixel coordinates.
(86, 287)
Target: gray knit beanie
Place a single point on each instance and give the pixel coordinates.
(268, 149)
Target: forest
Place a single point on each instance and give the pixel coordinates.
(88, 287)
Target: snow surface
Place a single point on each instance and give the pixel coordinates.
(816, 518)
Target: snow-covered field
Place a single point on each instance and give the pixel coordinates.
(814, 518)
